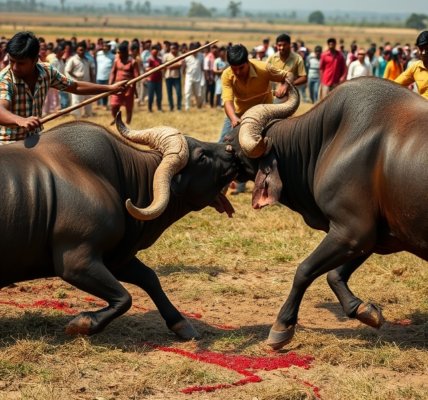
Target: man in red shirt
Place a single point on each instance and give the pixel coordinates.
(332, 69)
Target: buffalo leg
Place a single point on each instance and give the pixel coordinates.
(82, 270)
(336, 249)
(137, 273)
(352, 305)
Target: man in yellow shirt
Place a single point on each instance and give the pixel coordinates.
(418, 71)
(288, 60)
(245, 84)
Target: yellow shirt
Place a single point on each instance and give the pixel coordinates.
(415, 73)
(294, 63)
(256, 90)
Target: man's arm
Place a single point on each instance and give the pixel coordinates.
(228, 99)
(301, 73)
(88, 88)
(406, 78)
(345, 70)
(12, 121)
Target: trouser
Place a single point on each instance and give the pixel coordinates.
(209, 93)
(324, 91)
(314, 85)
(104, 101)
(142, 90)
(302, 89)
(176, 83)
(65, 101)
(195, 88)
(80, 98)
(155, 87)
(227, 127)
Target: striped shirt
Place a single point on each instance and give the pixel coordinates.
(22, 102)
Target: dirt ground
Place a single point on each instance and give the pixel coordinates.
(230, 278)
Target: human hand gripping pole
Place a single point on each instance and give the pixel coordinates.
(131, 82)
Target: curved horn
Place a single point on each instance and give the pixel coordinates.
(256, 119)
(175, 153)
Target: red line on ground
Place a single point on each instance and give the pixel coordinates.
(52, 304)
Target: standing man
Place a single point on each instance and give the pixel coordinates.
(24, 85)
(58, 63)
(359, 67)
(173, 77)
(105, 59)
(313, 66)
(245, 84)
(418, 71)
(332, 69)
(220, 65)
(192, 82)
(288, 60)
(209, 75)
(81, 69)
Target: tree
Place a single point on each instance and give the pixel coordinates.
(147, 8)
(128, 6)
(316, 17)
(417, 21)
(198, 10)
(234, 8)
(62, 5)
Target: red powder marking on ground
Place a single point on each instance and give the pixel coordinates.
(225, 327)
(56, 305)
(402, 323)
(242, 364)
(308, 384)
(192, 315)
(141, 308)
(96, 302)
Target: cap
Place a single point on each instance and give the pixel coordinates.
(260, 48)
(303, 49)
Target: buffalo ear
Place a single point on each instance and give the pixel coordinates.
(179, 184)
(268, 184)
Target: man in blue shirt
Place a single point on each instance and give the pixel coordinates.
(105, 59)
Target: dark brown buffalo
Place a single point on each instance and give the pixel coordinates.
(63, 211)
(356, 167)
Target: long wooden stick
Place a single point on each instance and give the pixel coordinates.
(130, 82)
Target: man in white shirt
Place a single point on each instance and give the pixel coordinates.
(58, 62)
(269, 50)
(359, 67)
(79, 68)
(192, 83)
(105, 60)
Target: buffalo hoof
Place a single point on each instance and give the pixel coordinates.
(277, 340)
(370, 315)
(81, 325)
(185, 330)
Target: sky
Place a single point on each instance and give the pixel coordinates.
(387, 6)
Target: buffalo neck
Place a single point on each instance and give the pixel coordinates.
(298, 143)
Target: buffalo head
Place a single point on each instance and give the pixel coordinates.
(194, 170)
(257, 157)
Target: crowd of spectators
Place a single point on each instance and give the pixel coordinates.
(109, 61)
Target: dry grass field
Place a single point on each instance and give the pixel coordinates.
(230, 276)
(249, 32)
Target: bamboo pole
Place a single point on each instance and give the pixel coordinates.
(130, 82)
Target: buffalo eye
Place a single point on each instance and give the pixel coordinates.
(202, 159)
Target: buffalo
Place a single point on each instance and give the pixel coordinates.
(355, 166)
(63, 195)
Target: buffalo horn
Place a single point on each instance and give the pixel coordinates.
(254, 121)
(175, 153)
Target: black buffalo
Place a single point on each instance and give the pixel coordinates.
(355, 166)
(63, 210)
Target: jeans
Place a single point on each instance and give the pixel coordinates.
(176, 83)
(227, 127)
(155, 87)
(314, 86)
(302, 90)
(102, 102)
(65, 101)
(209, 93)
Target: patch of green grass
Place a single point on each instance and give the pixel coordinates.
(14, 370)
(228, 290)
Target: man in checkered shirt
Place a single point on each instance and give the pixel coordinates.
(24, 85)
